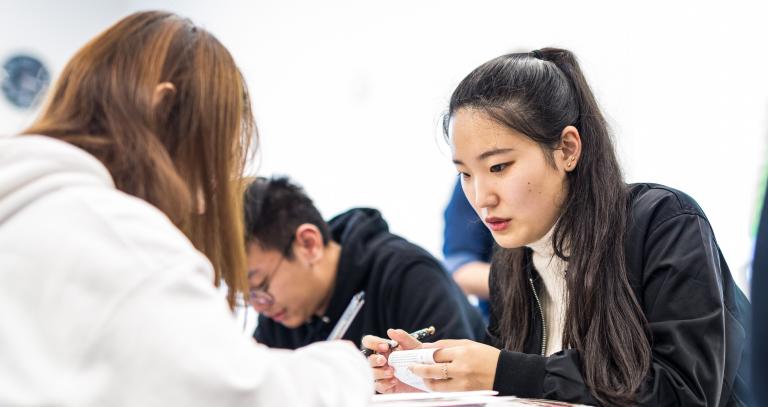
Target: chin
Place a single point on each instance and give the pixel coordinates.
(515, 239)
(509, 242)
(291, 323)
(296, 320)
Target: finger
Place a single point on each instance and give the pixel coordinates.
(405, 340)
(429, 371)
(446, 343)
(447, 355)
(377, 360)
(383, 373)
(385, 386)
(370, 341)
(377, 344)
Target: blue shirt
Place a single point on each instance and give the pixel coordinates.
(760, 309)
(465, 237)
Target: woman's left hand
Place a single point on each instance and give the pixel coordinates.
(460, 365)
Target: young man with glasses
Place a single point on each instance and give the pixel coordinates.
(304, 271)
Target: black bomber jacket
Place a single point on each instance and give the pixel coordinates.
(698, 318)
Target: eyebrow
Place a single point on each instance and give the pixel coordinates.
(486, 154)
(251, 273)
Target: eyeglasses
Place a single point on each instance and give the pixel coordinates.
(260, 296)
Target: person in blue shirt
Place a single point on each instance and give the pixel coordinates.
(760, 309)
(467, 248)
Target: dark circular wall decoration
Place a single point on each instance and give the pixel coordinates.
(24, 80)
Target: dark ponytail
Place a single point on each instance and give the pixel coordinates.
(539, 94)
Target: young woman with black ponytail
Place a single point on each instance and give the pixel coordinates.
(602, 292)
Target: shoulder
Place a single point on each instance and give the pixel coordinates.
(146, 231)
(669, 236)
(62, 202)
(401, 253)
(114, 230)
(395, 264)
(652, 205)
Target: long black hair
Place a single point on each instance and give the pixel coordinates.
(538, 94)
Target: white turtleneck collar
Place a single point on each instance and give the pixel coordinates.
(544, 258)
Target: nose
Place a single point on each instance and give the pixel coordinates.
(485, 196)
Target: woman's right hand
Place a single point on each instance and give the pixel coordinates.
(383, 374)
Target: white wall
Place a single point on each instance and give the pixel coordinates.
(348, 95)
(51, 31)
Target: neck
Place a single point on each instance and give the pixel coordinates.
(543, 246)
(544, 254)
(327, 275)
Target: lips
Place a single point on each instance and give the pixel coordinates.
(497, 224)
(278, 317)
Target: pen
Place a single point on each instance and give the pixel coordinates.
(419, 335)
(348, 316)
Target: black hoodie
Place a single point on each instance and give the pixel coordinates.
(405, 287)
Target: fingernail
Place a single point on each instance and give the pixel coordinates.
(380, 360)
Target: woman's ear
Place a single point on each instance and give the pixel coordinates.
(308, 243)
(163, 91)
(570, 140)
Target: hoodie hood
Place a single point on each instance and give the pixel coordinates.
(360, 232)
(356, 228)
(32, 167)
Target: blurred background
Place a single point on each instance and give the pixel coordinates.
(348, 96)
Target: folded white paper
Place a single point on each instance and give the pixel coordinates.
(400, 360)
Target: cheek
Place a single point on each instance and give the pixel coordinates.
(531, 195)
(294, 295)
(281, 290)
(522, 193)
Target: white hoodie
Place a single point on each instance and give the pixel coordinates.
(103, 302)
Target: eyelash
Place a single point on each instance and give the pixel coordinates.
(499, 167)
(496, 168)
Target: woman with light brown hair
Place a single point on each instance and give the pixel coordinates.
(107, 299)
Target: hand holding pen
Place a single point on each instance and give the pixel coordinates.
(383, 374)
(393, 344)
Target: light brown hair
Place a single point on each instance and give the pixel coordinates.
(183, 149)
